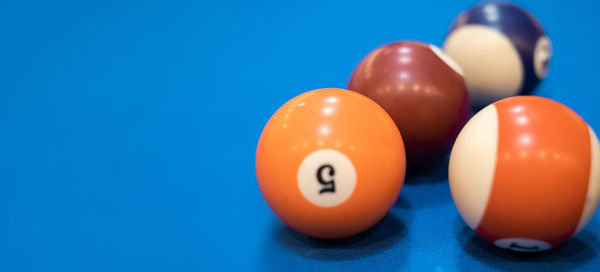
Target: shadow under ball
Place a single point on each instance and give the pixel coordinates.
(423, 91)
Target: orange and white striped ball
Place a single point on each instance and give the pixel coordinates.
(525, 173)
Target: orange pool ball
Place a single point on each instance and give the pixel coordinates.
(525, 173)
(330, 163)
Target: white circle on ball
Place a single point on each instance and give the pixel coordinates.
(522, 244)
(541, 56)
(491, 63)
(446, 59)
(326, 178)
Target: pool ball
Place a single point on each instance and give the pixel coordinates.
(525, 173)
(502, 49)
(330, 163)
(424, 92)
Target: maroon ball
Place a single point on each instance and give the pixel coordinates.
(423, 90)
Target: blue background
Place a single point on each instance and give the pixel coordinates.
(128, 132)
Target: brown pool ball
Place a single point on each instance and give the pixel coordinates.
(424, 92)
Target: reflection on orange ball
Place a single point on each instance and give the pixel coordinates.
(330, 163)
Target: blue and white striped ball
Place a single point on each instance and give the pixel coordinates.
(502, 49)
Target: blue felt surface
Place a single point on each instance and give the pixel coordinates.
(129, 130)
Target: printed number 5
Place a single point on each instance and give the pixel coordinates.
(328, 186)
